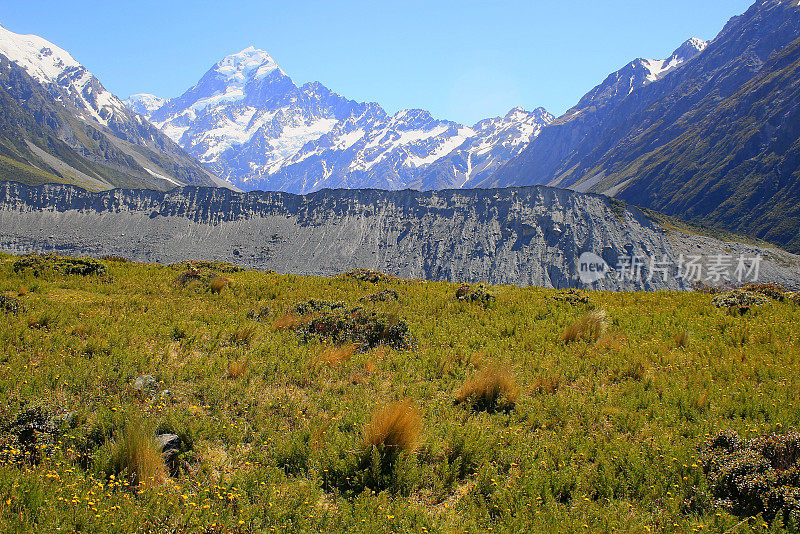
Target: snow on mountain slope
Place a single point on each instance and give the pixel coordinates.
(144, 103)
(250, 123)
(636, 74)
(130, 145)
(49, 64)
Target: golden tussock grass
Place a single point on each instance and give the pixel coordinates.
(289, 321)
(490, 389)
(218, 283)
(396, 426)
(547, 385)
(21, 292)
(237, 368)
(333, 356)
(682, 338)
(590, 327)
(137, 454)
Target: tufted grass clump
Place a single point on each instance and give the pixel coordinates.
(590, 327)
(218, 283)
(134, 456)
(491, 389)
(395, 427)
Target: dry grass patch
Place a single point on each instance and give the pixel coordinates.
(396, 427)
(290, 321)
(137, 457)
(491, 389)
(333, 356)
(590, 327)
(682, 338)
(237, 368)
(218, 283)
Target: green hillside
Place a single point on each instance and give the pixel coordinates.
(364, 403)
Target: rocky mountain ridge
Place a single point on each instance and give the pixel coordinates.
(524, 236)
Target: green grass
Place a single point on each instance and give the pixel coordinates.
(603, 433)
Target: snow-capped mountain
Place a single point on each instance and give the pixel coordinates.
(118, 146)
(636, 74)
(250, 123)
(144, 103)
(57, 69)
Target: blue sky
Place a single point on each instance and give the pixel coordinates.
(462, 60)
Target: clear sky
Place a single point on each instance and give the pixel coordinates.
(461, 60)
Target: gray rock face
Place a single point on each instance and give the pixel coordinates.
(523, 236)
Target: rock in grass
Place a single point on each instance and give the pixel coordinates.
(168, 442)
(145, 384)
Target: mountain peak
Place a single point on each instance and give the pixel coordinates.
(250, 63)
(43, 60)
(690, 48)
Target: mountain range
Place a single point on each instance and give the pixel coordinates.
(716, 141)
(59, 124)
(251, 124)
(709, 134)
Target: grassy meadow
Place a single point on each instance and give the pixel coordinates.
(382, 406)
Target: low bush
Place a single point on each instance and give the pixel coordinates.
(739, 300)
(368, 275)
(382, 296)
(755, 476)
(358, 326)
(10, 304)
(39, 264)
(572, 296)
(478, 293)
(205, 265)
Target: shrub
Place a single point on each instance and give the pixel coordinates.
(572, 296)
(467, 293)
(188, 276)
(205, 265)
(10, 304)
(358, 326)
(39, 264)
(259, 314)
(368, 275)
(313, 306)
(218, 283)
(770, 290)
(115, 259)
(382, 296)
(794, 296)
(492, 389)
(589, 327)
(755, 476)
(739, 300)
